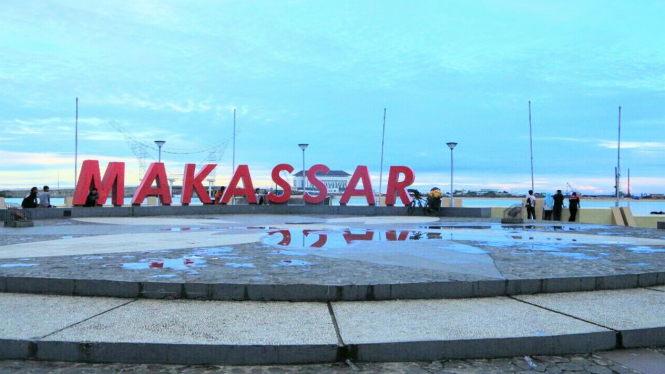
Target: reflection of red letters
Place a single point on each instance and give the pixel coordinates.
(114, 181)
(323, 190)
(391, 236)
(361, 173)
(323, 238)
(156, 173)
(282, 183)
(232, 190)
(286, 236)
(397, 187)
(349, 237)
(191, 183)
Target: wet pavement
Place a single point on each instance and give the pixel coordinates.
(323, 250)
(646, 361)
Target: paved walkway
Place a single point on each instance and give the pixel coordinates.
(418, 279)
(628, 361)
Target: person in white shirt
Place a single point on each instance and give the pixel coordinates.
(531, 205)
(45, 198)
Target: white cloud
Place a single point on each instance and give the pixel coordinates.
(185, 106)
(631, 145)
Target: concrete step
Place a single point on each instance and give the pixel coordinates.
(64, 328)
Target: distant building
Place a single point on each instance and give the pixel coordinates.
(335, 180)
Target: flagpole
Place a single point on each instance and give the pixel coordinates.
(531, 147)
(76, 144)
(618, 173)
(383, 140)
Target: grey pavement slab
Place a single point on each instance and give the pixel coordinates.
(199, 332)
(637, 313)
(35, 316)
(25, 318)
(487, 327)
(208, 322)
(645, 361)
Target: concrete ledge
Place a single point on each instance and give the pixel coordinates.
(323, 292)
(484, 348)
(153, 211)
(14, 349)
(647, 337)
(184, 354)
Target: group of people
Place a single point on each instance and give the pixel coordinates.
(553, 206)
(36, 199)
(261, 196)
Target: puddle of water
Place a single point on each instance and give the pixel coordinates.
(288, 253)
(240, 265)
(641, 264)
(213, 251)
(24, 265)
(291, 263)
(573, 255)
(163, 276)
(184, 263)
(179, 229)
(89, 258)
(645, 249)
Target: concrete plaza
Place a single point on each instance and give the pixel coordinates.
(298, 289)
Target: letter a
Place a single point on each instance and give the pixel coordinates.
(156, 172)
(232, 190)
(360, 173)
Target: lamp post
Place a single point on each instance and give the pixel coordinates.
(303, 147)
(451, 145)
(160, 143)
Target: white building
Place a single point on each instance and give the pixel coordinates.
(335, 180)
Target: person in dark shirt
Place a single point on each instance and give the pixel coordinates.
(573, 205)
(558, 205)
(30, 201)
(92, 198)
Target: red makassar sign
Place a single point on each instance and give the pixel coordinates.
(113, 183)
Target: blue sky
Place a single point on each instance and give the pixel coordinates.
(322, 73)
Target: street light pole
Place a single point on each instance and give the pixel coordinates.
(160, 143)
(303, 146)
(451, 145)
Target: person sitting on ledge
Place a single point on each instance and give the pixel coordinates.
(30, 201)
(45, 198)
(92, 198)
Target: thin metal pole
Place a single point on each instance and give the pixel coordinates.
(304, 174)
(76, 144)
(531, 146)
(234, 142)
(383, 141)
(233, 200)
(618, 184)
(452, 197)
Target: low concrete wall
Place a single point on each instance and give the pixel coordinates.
(148, 211)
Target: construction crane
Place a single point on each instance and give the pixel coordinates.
(569, 189)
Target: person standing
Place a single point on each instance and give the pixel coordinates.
(573, 205)
(548, 206)
(558, 205)
(531, 205)
(30, 201)
(45, 198)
